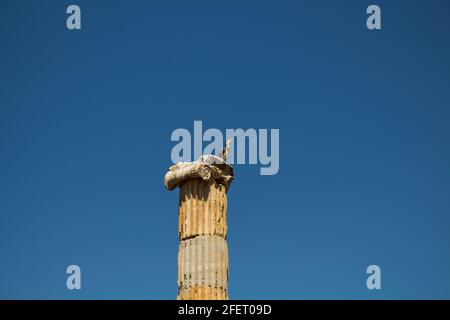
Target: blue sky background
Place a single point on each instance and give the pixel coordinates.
(85, 124)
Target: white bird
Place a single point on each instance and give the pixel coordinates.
(226, 151)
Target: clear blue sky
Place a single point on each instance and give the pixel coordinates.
(85, 124)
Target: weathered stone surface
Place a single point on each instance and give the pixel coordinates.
(203, 293)
(203, 261)
(183, 171)
(202, 227)
(203, 209)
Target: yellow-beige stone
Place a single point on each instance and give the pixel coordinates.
(202, 228)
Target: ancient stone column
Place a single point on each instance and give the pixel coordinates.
(202, 227)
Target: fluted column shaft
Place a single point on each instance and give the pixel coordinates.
(202, 229)
(203, 251)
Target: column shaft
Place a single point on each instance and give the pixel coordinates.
(203, 251)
